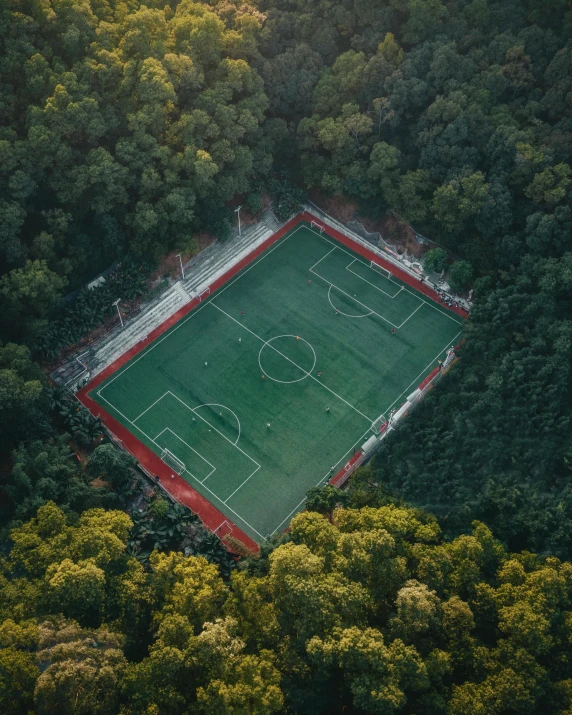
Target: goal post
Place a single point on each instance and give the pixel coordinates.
(378, 424)
(172, 462)
(380, 269)
(315, 224)
(201, 296)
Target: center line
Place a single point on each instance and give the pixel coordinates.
(291, 361)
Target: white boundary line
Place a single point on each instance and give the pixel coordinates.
(323, 479)
(266, 253)
(240, 518)
(213, 468)
(214, 305)
(194, 312)
(230, 442)
(451, 342)
(179, 324)
(355, 260)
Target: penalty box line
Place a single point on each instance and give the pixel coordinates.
(368, 282)
(229, 441)
(242, 519)
(291, 361)
(213, 468)
(363, 305)
(414, 294)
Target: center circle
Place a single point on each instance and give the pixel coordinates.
(294, 356)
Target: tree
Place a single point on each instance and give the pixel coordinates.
(435, 260)
(424, 19)
(325, 499)
(81, 670)
(29, 293)
(23, 398)
(460, 275)
(384, 166)
(113, 466)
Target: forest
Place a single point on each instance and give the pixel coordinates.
(129, 128)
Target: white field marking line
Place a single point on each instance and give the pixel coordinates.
(204, 485)
(372, 312)
(323, 257)
(216, 404)
(213, 468)
(287, 382)
(348, 315)
(368, 282)
(215, 429)
(363, 305)
(240, 487)
(147, 410)
(412, 314)
(280, 242)
(431, 304)
(293, 363)
(422, 371)
(329, 474)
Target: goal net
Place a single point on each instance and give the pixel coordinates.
(203, 295)
(317, 225)
(172, 462)
(377, 425)
(380, 269)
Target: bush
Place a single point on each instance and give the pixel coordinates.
(460, 275)
(254, 202)
(435, 260)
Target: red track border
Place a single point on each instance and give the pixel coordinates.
(178, 487)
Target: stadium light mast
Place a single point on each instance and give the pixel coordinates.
(181, 262)
(116, 304)
(237, 211)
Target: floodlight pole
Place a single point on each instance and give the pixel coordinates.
(237, 211)
(116, 304)
(181, 262)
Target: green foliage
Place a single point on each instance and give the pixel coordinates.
(24, 400)
(325, 500)
(488, 442)
(89, 308)
(111, 465)
(460, 275)
(128, 128)
(372, 610)
(435, 260)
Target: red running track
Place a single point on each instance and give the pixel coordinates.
(211, 517)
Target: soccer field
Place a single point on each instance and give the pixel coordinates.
(269, 385)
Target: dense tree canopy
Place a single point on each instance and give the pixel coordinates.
(369, 612)
(127, 128)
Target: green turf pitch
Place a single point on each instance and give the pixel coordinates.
(198, 389)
